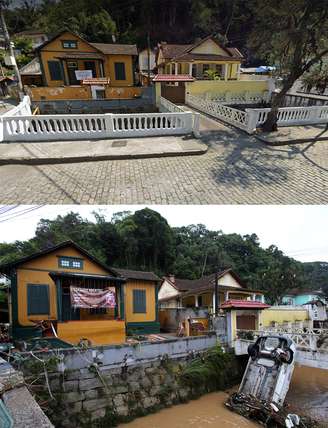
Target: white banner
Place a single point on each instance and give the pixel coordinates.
(83, 74)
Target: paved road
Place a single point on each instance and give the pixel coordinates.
(237, 169)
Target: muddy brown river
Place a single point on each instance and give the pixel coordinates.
(308, 393)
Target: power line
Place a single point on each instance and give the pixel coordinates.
(10, 216)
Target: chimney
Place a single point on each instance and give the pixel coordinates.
(172, 278)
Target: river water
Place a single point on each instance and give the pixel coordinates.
(308, 394)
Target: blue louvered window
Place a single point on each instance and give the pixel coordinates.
(38, 299)
(55, 70)
(119, 71)
(139, 301)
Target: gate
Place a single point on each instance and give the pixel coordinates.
(246, 322)
(175, 94)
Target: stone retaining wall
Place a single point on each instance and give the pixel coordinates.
(87, 389)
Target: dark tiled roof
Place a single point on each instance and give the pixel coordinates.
(183, 52)
(171, 51)
(137, 274)
(115, 48)
(69, 243)
(205, 281)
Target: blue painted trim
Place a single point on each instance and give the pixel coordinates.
(6, 420)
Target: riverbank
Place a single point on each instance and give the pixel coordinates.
(206, 411)
(308, 393)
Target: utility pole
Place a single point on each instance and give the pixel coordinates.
(9, 45)
(148, 56)
(216, 294)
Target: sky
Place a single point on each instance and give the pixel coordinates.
(300, 231)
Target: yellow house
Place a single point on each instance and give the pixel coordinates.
(50, 295)
(199, 59)
(68, 60)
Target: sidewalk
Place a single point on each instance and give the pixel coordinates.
(294, 134)
(60, 152)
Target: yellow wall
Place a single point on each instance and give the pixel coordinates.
(36, 272)
(104, 332)
(110, 70)
(220, 86)
(282, 315)
(54, 49)
(81, 93)
(150, 288)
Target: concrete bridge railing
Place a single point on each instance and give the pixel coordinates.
(311, 349)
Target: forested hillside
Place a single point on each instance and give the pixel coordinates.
(144, 240)
(129, 21)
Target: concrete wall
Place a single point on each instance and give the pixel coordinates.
(282, 315)
(84, 92)
(146, 103)
(200, 87)
(170, 318)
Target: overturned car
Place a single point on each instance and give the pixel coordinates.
(265, 383)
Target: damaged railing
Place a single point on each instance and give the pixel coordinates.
(303, 340)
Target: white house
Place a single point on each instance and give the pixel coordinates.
(143, 60)
(179, 293)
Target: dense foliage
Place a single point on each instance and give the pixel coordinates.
(144, 240)
(128, 21)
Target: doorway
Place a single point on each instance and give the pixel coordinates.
(71, 67)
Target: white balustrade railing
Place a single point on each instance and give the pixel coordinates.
(250, 119)
(166, 105)
(75, 127)
(22, 109)
(220, 111)
(303, 340)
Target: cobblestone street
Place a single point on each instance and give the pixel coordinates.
(237, 169)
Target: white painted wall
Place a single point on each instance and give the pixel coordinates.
(209, 47)
(167, 290)
(143, 60)
(228, 280)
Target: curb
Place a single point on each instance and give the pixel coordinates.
(80, 159)
(289, 142)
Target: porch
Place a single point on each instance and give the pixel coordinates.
(204, 70)
(89, 65)
(206, 299)
(80, 319)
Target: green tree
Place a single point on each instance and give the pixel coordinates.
(291, 34)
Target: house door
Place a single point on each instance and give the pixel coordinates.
(175, 94)
(246, 322)
(68, 313)
(71, 67)
(91, 65)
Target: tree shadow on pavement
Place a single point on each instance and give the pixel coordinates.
(244, 160)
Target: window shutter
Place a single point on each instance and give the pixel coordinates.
(38, 299)
(120, 71)
(55, 70)
(139, 301)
